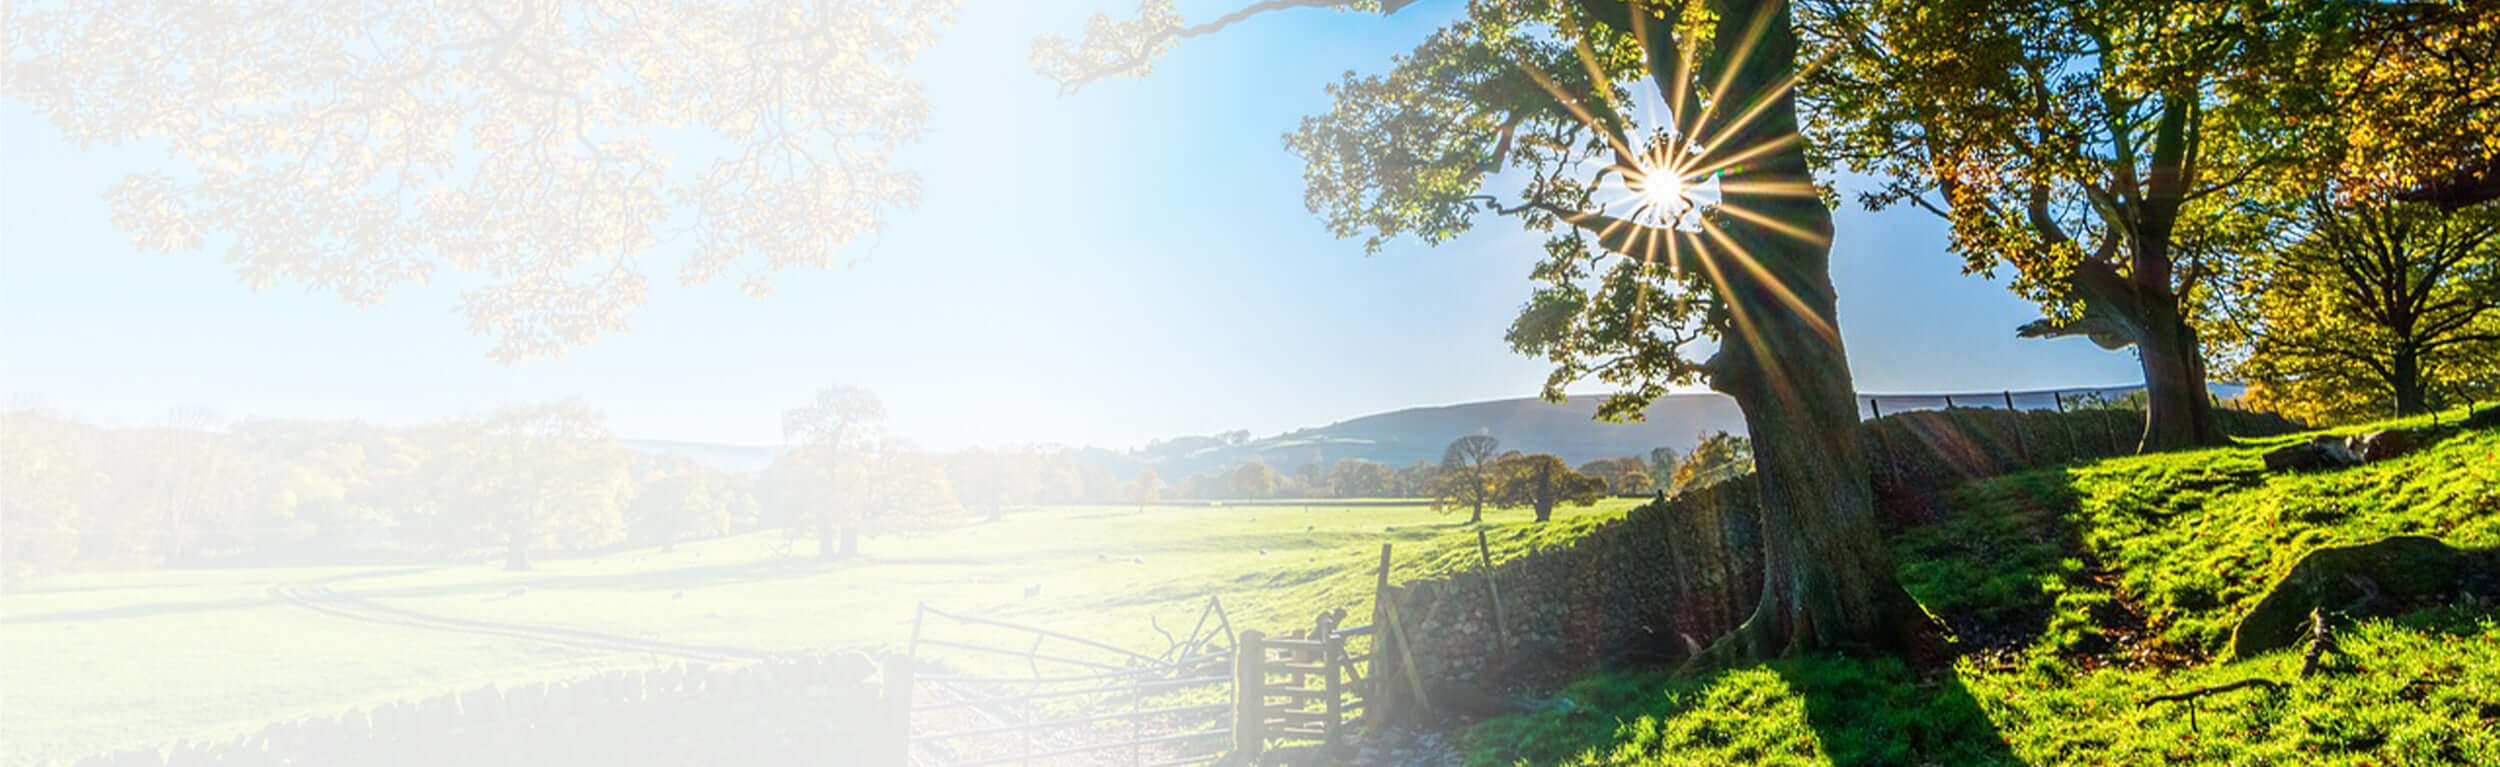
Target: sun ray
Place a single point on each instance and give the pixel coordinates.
(1756, 218)
(1614, 137)
(1769, 188)
(1757, 150)
(1779, 290)
(1727, 74)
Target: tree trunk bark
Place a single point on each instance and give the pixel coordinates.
(850, 541)
(1828, 581)
(1477, 517)
(1544, 512)
(2405, 377)
(2178, 411)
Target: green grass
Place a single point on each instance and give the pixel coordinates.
(101, 661)
(2078, 592)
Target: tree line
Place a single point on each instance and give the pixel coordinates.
(549, 479)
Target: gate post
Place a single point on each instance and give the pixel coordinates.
(1335, 655)
(898, 679)
(1249, 695)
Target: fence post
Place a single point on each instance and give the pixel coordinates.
(1335, 655)
(1501, 643)
(2109, 436)
(2020, 449)
(2066, 425)
(1376, 699)
(1250, 695)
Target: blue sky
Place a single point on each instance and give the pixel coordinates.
(1126, 263)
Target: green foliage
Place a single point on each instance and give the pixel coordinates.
(1541, 482)
(1358, 478)
(1719, 457)
(2372, 309)
(1466, 477)
(1252, 480)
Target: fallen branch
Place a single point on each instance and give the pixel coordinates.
(2220, 688)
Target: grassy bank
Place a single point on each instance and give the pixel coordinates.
(2078, 593)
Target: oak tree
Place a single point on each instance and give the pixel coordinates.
(1701, 226)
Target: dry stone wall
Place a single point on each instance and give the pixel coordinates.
(814, 710)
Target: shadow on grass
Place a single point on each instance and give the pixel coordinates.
(1846, 711)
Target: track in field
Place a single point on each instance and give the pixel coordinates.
(342, 605)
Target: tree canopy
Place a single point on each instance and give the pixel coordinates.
(2371, 309)
(357, 146)
(1541, 482)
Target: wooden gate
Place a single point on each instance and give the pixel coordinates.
(1307, 687)
(1013, 694)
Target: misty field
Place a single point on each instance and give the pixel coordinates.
(101, 661)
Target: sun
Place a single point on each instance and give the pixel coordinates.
(1659, 189)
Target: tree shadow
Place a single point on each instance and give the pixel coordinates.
(1844, 710)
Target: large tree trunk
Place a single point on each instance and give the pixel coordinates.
(2404, 376)
(1544, 511)
(1828, 582)
(850, 541)
(2178, 409)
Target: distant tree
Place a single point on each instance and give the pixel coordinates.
(1146, 488)
(1663, 461)
(1623, 476)
(1720, 457)
(1466, 477)
(1311, 475)
(1204, 486)
(677, 498)
(1419, 480)
(1251, 480)
(1358, 478)
(2372, 309)
(898, 487)
(980, 481)
(551, 154)
(825, 433)
(1541, 482)
(52, 473)
(533, 476)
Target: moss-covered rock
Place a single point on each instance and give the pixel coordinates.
(2374, 577)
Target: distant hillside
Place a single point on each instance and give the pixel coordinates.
(1568, 429)
(1400, 437)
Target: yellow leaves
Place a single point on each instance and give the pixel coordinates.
(354, 146)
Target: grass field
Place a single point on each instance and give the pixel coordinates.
(2082, 591)
(100, 661)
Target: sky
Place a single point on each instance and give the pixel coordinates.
(1125, 263)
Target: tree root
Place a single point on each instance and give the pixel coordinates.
(2220, 688)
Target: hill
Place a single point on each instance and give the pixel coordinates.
(2079, 595)
(1569, 429)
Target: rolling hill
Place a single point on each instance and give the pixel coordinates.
(1399, 437)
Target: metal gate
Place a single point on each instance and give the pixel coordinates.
(990, 692)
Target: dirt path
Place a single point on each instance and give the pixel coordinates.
(341, 605)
